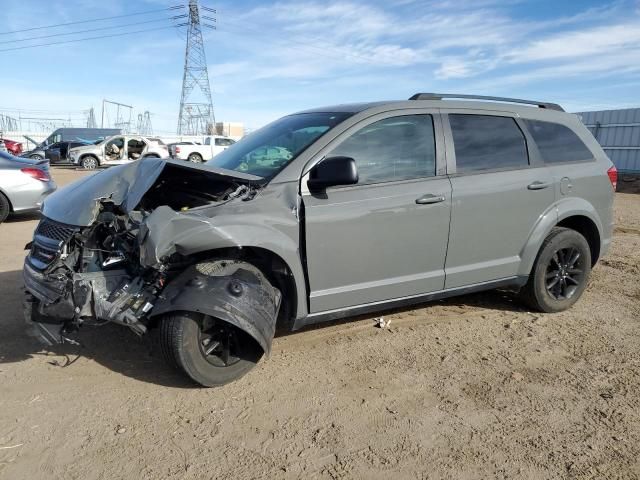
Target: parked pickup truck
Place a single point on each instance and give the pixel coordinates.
(198, 153)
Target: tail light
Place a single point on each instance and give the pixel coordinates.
(613, 177)
(177, 149)
(36, 173)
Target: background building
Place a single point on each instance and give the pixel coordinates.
(618, 131)
(234, 130)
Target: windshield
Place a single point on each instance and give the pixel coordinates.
(267, 151)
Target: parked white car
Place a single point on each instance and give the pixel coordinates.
(116, 150)
(198, 153)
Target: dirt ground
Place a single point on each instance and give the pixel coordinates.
(472, 387)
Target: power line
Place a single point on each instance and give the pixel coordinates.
(94, 29)
(90, 38)
(175, 7)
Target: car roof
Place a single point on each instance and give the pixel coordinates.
(347, 107)
(449, 101)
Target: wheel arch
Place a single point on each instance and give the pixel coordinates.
(275, 269)
(574, 213)
(588, 229)
(230, 289)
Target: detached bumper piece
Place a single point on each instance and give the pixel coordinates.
(62, 304)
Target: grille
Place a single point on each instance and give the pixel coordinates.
(55, 230)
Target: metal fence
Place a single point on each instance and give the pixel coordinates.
(618, 132)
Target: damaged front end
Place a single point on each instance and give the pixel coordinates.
(110, 251)
(76, 275)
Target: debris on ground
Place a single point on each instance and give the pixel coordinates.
(382, 323)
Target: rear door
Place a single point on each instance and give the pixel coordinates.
(385, 237)
(500, 191)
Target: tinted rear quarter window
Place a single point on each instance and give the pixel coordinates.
(485, 142)
(557, 143)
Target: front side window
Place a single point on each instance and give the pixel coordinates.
(268, 150)
(557, 143)
(485, 142)
(397, 148)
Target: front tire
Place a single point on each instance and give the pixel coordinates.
(89, 163)
(36, 157)
(209, 351)
(560, 273)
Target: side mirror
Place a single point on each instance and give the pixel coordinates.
(332, 171)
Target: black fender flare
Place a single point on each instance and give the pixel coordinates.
(234, 291)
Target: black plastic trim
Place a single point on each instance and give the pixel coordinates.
(516, 281)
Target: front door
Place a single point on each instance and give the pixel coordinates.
(115, 151)
(500, 192)
(385, 237)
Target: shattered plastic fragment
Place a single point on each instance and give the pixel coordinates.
(382, 323)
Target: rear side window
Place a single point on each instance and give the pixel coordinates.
(393, 149)
(485, 142)
(224, 142)
(557, 143)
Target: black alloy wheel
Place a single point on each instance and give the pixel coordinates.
(219, 342)
(565, 273)
(560, 272)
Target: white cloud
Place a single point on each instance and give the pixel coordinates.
(590, 42)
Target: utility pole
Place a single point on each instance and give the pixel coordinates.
(196, 108)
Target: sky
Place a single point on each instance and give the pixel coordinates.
(269, 59)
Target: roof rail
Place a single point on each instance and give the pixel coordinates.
(440, 96)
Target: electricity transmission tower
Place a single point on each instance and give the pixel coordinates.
(144, 124)
(8, 124)
(196, 109)
(91, 119)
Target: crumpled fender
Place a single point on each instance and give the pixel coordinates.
(231, 290)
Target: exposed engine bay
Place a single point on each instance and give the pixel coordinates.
(103, 272)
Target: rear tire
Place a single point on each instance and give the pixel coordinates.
(186, 337)
(560, 272)
(5, 207)
(195, 158)
(36, 157)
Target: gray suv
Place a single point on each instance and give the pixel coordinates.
(358, 208)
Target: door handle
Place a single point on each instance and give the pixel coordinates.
(538, 185)
(429, 198)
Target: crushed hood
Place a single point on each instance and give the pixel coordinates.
(124, 185)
